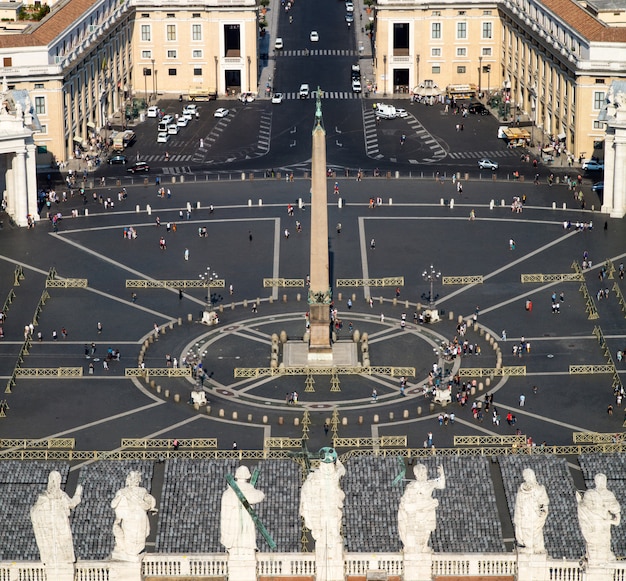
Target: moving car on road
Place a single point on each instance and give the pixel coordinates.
(304, 91)
(593, 165)
(277, 98)
(116, 159)
(153, 111)
(163, 137)
(278, 43)
(221, 112)
(314, 37)
(138, 166)
(488, 164)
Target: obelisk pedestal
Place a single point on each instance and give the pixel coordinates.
(320, 294)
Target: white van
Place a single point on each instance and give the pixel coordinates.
(162, 126)
(385, 111)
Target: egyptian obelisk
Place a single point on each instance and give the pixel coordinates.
(320, 294)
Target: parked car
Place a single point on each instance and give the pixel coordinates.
(247, 97)
(593, 165)
(182, 121)
(163, 137)
(349, 17)
(278, 43)
(221, 112)
(138, 166)
(190, 111)
(172, 129)
(478, 109)
(117, 159)
(167, 119)
(277, 98)
(355, 72)
(314, 37)
(349, 6)
(488, 164)
(356, 86)
(598, 187)
(304, 91)
(402, 112)
(153, 111)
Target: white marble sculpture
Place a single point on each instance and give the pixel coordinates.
(131, 526)
(51, 522)
(598, 511)
(321, 506)
(237, 529)
(531, 511)
(417, 517)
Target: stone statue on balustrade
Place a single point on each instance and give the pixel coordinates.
(131, 527)
(598, 511)
(50, 516)
(531, 511)
(321, 507)
(237, 529)
(417, 514)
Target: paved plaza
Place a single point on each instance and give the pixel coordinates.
(245, 243)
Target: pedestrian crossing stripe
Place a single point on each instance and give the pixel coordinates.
(316, 52)
(481, 154)
(327, 95)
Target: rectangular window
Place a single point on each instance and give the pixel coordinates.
(487, 30)
(171, 15)
(171, 32)
(146, 35)
(197, 72)
(145, 15)
(598, 100)
(486, 51)
(461, 30)
(461, 52)
(171, 72)
(232, 40)
(400, 38)
(38, 85)
(460, 70)
(43, 130)
(436, 69)
(196, 15)
(600, 81)
(146, 54)
(196, 32)
(171, 54)
(486, 12)
(436, 13)
(435, 52)
(435, 30)
(598, 125)
(197, 54)
(7, 61)
(40, 105)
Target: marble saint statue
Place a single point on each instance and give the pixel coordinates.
(417, 517)
(598, 511)
(131, 526)
(50, 516)
(237, 529)
(531, 511)
(321, 506)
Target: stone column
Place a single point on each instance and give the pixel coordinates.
(609, 170)
(31, 181)
(619, 186)
(125, 571)
(242, 565)
(60, 571)
(19, 188)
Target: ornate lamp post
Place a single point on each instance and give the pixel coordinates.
(431, 275)
(153, 78)
(208, 276)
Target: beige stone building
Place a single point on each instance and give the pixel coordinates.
(89, 58)
(551, 60)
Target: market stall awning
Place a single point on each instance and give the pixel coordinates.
(427, 89)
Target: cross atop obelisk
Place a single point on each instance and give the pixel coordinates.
(320, 293)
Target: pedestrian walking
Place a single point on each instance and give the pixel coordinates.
(338, 227)
(372, 244)
(382, 317)
(522, 400)
(99, 328)
(325, 428)
(64, 332)
(374, 396)
(503, 335)
(186, 253)
(54, 335)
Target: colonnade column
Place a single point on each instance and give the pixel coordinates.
(31, 180)
(619, 186)
(19, 187)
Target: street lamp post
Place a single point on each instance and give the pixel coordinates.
(488, 67)
(249, 67)
(385, 75)
(208, 276)
(145, 82)
(480, 70)
(153, 80)
(217, 81)
(417, 71)
(431, 275)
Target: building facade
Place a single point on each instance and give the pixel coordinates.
(88, 59)
(550, 60)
